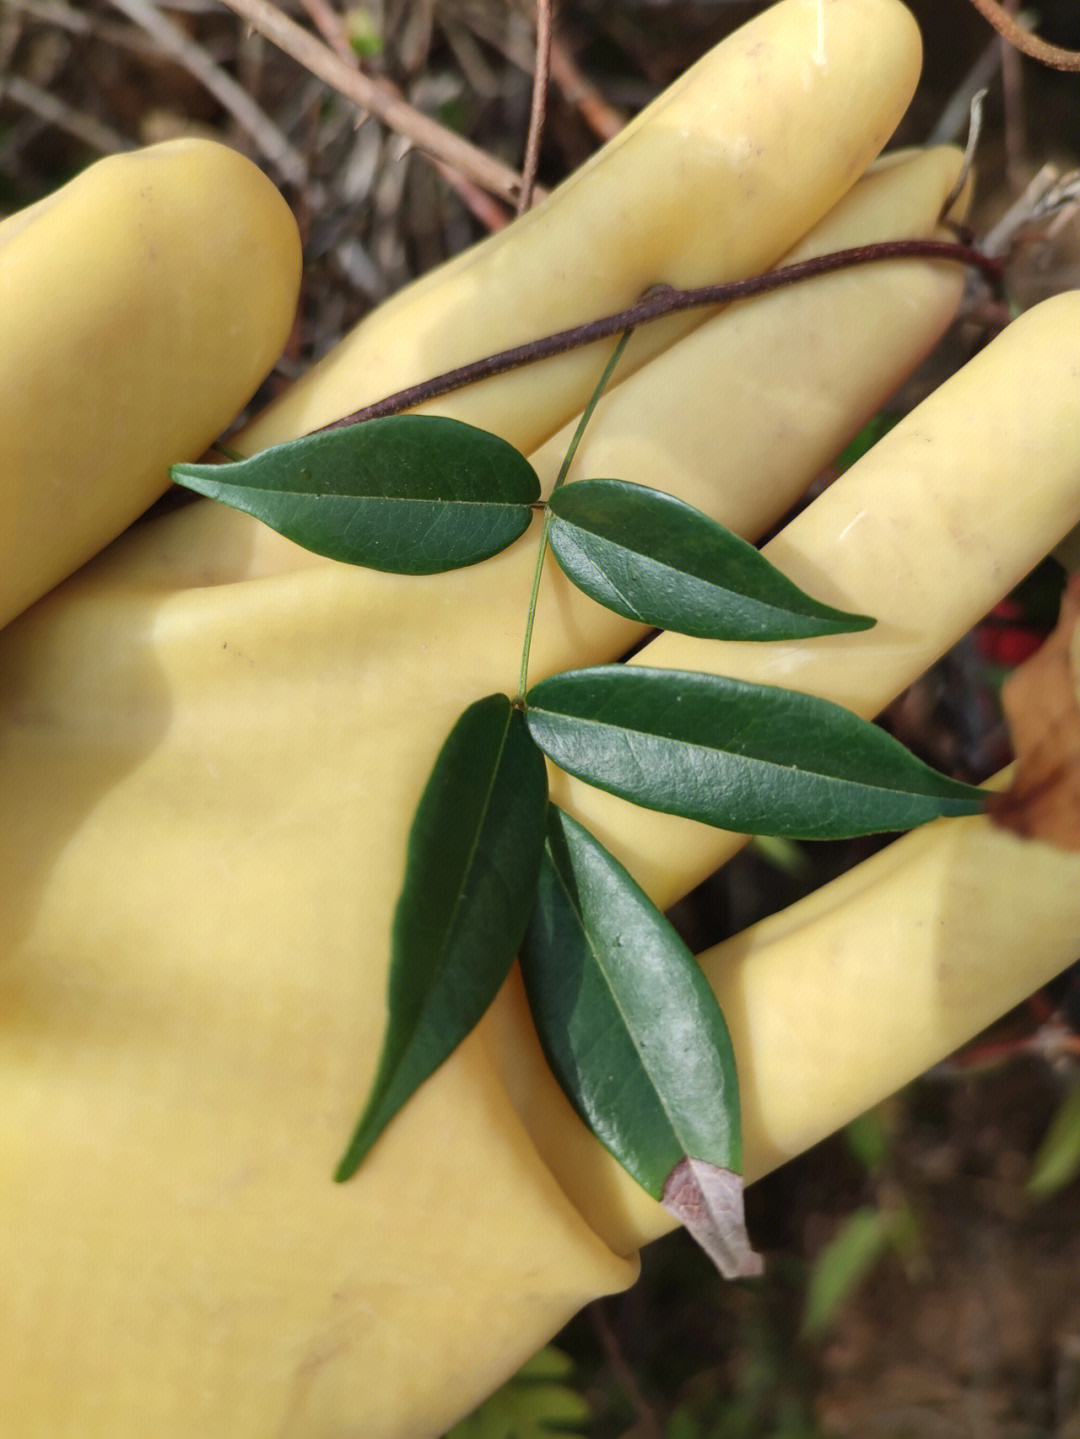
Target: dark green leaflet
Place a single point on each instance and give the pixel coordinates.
(470, 879)
(751, 758)
(634, 1035)
(413, 494)
(654, 559)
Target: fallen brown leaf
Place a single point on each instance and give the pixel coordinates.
(1042, 705)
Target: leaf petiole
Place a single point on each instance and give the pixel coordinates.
(233, 456)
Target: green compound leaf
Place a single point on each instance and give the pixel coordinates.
(470, 882)
(634, 1035)
(413, 494)
(745, 757)
(654, 559)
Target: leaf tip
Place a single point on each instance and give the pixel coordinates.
(708, 1202)
(347, 1166)
(854, 624)
(362, 1141)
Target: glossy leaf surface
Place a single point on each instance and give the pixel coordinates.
(632, 1031)
(414, 494)
(470, 882)
(657, 560)
(750, 758)
(628, 1022)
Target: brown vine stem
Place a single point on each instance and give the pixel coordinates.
(1023, 40)
(655, 306)
(424, 132)
(539, 105)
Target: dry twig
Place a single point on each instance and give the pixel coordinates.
(477, 200)
(77, 22)
(1050, 201)
(1023, 40)
(422, 131)
(331, 27)
(539, 104)
(85, 128)
(974, 131)
(603, 120)
(185, 51)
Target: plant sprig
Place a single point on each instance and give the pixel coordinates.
(630, 1027)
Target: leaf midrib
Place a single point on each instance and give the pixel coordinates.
(627, 1028)
(701, 749)
(485, 809)
(724, 595)
(387, 499)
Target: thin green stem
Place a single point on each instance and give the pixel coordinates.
(564, 470)
(523, 677)
(587, 412)
(227, 451)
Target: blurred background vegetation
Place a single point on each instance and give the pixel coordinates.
(922, 1266)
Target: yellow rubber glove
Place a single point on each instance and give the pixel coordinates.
(142, 305)
(213, 744)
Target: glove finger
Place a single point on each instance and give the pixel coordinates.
(140, 312)
(715, 180)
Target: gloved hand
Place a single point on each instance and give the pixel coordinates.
(213, 743)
